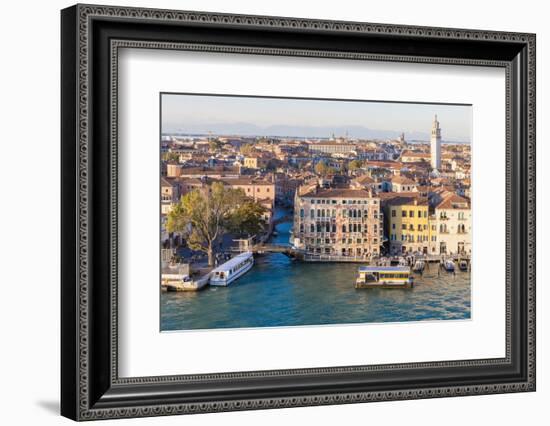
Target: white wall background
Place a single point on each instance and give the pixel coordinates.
(29, 211)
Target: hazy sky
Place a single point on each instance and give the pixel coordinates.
(201, 114)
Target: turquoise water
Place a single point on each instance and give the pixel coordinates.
(280, 292)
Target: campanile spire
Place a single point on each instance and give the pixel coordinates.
(435, 145)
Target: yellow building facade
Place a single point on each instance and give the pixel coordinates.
(408, 225)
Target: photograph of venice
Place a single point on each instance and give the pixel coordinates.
(278, 212)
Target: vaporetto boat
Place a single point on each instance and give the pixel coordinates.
(234, 268)
(384, 277)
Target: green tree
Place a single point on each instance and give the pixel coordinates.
(171, 156)
(203, 216)
(247, 149)
(321, 168)
(247, 218)
(354, 165)
(214, 144)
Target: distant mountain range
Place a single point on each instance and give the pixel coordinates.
(248, 129)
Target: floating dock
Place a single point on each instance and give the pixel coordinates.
(178, 278)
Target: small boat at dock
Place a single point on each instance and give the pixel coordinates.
(402, 262)
(463, 265)
(234, 268)
(449, 265)
(419, 266)
(384, 277)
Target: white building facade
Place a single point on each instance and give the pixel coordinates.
(453, 226)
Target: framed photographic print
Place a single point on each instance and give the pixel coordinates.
(263, 212)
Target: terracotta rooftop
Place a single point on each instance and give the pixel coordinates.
(406, 201)
(166, 182)
(386, 196)
(415, 154)
(332, 144)
(385, 164)
(204, 171)
(227, 180)
(245, 181)
(338, 193)
(454, 201)
(364, 179)
(403, 180)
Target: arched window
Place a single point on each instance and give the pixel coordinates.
(344, 229)
(312, 228)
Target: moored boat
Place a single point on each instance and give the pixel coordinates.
(463, 265)
(449, 265)
(234, 268)
(402, 262)
(419, 266)
(384, 277)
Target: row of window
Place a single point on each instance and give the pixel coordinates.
(392, 275)
(420, 213)
(461, 228)
(257, 189)
(343, 251)
(410, 238)
(327, 227)
(332, 241)
(404, 227)
(333, 201)
(409, 213)
(240, 265)
(355, 213)
(443, 215)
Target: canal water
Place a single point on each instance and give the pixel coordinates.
(280, 292)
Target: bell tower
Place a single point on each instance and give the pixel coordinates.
(435, 145)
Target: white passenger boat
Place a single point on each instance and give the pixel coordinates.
(384, 277)
(234, 268)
